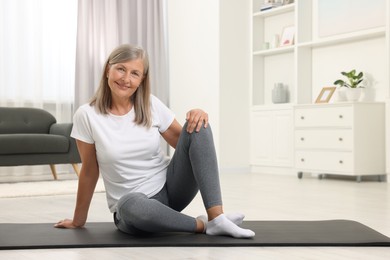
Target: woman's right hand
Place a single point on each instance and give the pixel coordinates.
(65, 223)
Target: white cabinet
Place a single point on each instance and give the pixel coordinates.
(272, 137)
(340, 138)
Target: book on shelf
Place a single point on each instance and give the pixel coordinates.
(268, 6)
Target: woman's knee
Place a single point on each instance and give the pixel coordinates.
(127, 214)
(130, 200)
(203, 130)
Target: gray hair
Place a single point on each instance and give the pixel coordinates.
(141, 98)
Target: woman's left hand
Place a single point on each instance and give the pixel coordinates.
(195, 119)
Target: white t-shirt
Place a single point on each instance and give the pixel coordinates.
(129, 155)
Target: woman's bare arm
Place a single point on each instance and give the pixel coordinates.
(88, 178)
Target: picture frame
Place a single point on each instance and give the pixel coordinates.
(287, 38)
(325, 95)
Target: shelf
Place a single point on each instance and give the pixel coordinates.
(340, 104)
(339, 39)
(275, 11)
(345, 38)
(274, 51)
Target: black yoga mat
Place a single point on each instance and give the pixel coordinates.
(268, 233)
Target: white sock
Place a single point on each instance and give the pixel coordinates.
(221, 225)
(236, 218)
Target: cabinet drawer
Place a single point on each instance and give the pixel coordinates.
(324, 116)
(324, 139)
(324, 161)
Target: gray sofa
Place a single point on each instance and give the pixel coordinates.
(32, 136)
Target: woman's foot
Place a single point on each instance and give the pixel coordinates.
(236, 218)
(221, 225)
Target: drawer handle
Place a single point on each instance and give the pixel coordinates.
(340, 139)
(341, 116)
(302, 159)
(341, 162)
(302, 117)
(302, 139)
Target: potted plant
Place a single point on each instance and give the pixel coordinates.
(352, 83)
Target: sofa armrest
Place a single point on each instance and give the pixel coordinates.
(65, 129)
(61, 129)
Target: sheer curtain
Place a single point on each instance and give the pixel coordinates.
(37, 50)
(103, 25)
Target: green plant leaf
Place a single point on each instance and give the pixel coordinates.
(353, 79)
(339, 82)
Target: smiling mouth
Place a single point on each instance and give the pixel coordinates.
(123, 85)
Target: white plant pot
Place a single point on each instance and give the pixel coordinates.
(353, 94)
(340, 95)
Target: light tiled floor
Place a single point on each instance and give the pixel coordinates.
(259, 196)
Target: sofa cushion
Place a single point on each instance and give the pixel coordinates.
(33, 143)
(25, 120)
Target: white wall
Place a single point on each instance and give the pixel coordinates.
(193, 29)
(234, 88)
(209, 68)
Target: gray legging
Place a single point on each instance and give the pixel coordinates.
(193, 167)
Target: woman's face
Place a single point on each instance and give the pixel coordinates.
(124, 78)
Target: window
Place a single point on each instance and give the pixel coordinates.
(38, 52)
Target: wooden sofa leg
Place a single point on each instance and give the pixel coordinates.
(76, 169)
(53, 171)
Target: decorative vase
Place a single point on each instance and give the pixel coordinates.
(353, 94)
(279, 93)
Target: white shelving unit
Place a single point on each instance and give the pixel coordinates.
(265, 26)
(311, 63)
